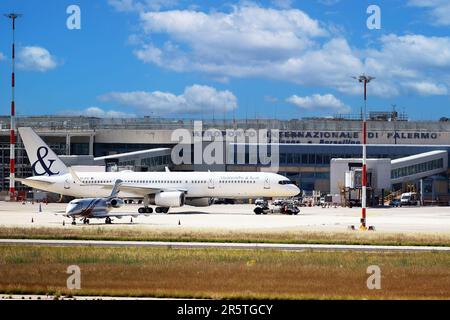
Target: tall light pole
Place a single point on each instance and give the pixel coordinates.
(365, 80)
(12, 139)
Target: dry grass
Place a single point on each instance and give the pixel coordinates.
(139, 234)
(165, 272)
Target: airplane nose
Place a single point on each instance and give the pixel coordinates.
(294, 190)
(70, 209)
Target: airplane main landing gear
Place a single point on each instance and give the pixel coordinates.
(162, 209)
(85, 221)
(74, 222)
(108, 220)
(145, 210)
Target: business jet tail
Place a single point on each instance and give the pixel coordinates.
(44, 162)
(116, 189)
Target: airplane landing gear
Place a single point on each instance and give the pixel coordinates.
(162, 209)
(85, 221)
(145, 210)
(74, 222)
(108, 220)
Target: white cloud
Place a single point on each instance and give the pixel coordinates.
(247, 35)
(319, 103)
(2, 56)
(426, 88)
(35, 58)
(288, 45)
(100, 113)
(195, 99)
(250, 41)
(439, 10)
(414, 63)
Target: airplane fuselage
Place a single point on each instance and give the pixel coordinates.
(194, 184)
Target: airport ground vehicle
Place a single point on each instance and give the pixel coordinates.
(262, 207)
(260, 202)
(409, 199)
(289, 208)
(277, 202)
(394, 203)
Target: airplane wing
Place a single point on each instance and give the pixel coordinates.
(37, 184)
(115, 215)
(143, 190)
(29, 180)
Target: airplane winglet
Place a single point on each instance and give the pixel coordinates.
(74, 176)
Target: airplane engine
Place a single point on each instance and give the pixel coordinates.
(168, 199)
(199, 202)
(115, 203)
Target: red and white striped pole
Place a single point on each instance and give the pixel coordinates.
(365, 80)
(12, 139)
(364, 164)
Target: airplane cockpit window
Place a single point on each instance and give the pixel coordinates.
(285, 182)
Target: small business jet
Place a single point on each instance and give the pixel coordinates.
(97, 208)
(162, 189)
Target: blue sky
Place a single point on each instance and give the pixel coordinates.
(199, 59)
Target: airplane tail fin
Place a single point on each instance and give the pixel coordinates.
(44, 162)
(116, 189)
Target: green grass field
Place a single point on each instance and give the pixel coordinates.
(140, 234)
(216, 273)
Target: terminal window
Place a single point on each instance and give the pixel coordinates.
(417, 168)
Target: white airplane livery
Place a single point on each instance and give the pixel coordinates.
(162, 189)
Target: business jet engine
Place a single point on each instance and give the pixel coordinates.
(168, 199)
(199, 202)
(115, 202)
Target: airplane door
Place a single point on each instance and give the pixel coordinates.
(267, 183)
(211, 184)
(66, 184)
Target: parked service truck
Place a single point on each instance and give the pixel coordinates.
(409, 199)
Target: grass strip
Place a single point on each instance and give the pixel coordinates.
(285, 237)
(223, 274)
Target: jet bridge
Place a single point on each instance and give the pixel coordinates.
(418, 166)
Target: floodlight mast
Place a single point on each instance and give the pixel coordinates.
(12, 140)
(364, 80)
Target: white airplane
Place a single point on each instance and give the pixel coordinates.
(162, 189)
(98, 208)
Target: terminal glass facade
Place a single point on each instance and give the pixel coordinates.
(417, 168)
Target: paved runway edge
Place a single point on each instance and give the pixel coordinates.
(220, 245)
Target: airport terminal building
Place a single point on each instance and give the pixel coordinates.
(306, 147)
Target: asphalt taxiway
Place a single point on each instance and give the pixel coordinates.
(240, 217)
(219, 245)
